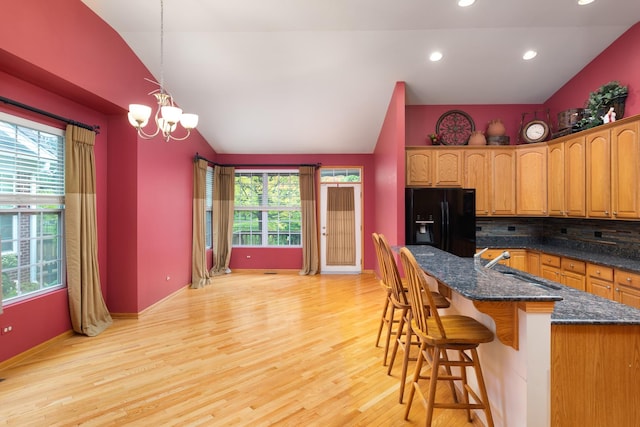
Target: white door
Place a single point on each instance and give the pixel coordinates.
(340, 228)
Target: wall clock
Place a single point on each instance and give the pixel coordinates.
(454, 127)
(535, 131)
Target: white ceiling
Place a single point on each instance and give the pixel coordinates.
(316, 76)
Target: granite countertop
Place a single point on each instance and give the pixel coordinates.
(594, 257)
(572, 306)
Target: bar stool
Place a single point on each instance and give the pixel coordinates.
(388, 318)
(404, 338)
(437, 334)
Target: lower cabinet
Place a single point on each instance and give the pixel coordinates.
(627, 288)
(600, 280)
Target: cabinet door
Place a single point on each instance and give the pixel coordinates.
(531, 181)
(419, 168)
(503, 177)
(575, 280)
(448, 167)
(550, 273)
(555, 180)
(598, 174)
(518, 259)
(533, 263)
(627, 295)
(625, 170)
(600, 287)
(575, 155)
(476, 175)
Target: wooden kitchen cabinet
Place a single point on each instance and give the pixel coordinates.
(550, 267)
(419, 167)
(533, 263)
(555, 179)
(625, 171)
(476, 175)
(518, 259)
(600, 280)
(598, 174)
(627, 288)
(531, 181)
(573, 273)
(502, 182)
(567, 178)
(448, 167)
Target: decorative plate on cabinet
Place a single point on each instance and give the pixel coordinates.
(454, 127)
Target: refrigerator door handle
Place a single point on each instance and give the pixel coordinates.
(444, 222)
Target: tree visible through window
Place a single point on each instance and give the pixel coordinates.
(31, 207)
(267, 209)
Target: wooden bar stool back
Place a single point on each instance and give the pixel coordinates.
(437, 334)
(399, 299)
(388, 317)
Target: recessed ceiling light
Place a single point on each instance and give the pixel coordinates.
(465, 3)
(583, 2)
(435, 56)
(530, 54)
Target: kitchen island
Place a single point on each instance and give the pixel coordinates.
(562, 357)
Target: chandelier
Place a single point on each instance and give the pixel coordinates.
(167, 114)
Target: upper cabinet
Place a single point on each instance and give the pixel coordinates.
(503, 181)
(476, 175)
(598, 174)
(625, 171)
(531, 180)
(566, 175)
(591, 174)
(448, 167)
(419, 167)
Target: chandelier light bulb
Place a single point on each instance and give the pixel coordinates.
(189, 121)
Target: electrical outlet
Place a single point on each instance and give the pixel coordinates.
(6, 329)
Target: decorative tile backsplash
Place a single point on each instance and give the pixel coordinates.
(620, 238)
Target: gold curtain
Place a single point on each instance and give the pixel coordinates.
(89, 313)
(199, 273)
(341, 223)
(223, 194)
(310, 258)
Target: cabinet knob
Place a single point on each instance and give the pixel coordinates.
(615, 213)
(608, 287)
(571, 265)
(628, 279)
(598, 272)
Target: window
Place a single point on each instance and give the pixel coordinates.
(208, 213)
(340, 175)
(267, 209)
(31, 207)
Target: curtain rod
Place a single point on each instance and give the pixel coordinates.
(94, 128)
(281, 165)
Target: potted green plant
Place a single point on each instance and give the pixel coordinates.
(611, 94)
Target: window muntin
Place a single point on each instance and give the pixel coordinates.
(267, 209)
(340, 175)
(31, 208)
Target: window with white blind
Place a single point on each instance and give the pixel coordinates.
(208, 214)
(267, 209)
(31, 208)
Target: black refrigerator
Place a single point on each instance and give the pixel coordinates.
(442, 217)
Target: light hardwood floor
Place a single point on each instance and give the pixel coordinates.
(249, 349)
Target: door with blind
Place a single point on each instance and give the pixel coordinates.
(340, 228)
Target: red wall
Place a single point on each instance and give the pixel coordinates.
(288, 258)
(422, 119)
(620, 61)
(389, 163)
(143, 187)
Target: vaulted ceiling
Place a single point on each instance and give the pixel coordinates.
(316, 76)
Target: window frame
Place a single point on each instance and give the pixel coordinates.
(33, 210)
(265, 209)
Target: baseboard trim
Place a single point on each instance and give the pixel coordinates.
(34, 350)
